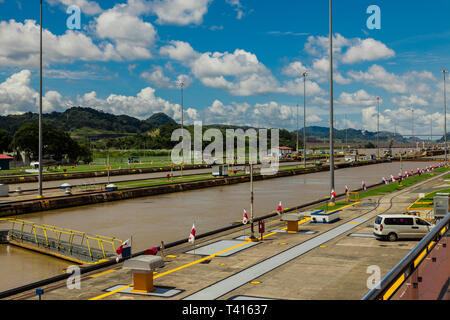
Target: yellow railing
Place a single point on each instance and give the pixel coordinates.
(424, 215)
(352, 197)
(72, 236)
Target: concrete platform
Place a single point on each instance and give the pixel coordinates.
(222, 245)
(321, 262)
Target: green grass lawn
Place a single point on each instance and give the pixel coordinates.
(98, 165)
(115, 164)
(389, 188)
(395, 186)
(428, 200)
(338, 206)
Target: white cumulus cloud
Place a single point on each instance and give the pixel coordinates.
(19, 46)
(367, 50)
(87, 7)
(180, 12)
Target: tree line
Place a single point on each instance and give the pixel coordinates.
(57, 144)
(160, 139)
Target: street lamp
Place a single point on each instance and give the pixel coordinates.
(346, 132)
(331, 104)
(181, 84)
(40, 109)
(304, 118)
(378, 126)
(252, 230)
(297, 130)
(431, 130)
(412, 112)
(444, 71)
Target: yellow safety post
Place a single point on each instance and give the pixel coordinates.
(59, 240)
(103, 249)
(35, 235)
(349, 197)
(109, 240)
(21, 231)
(46, 238)
(100, 244)
(89, 247)
(72, 235)
(81, 243)
(114, 247)
(162, 249)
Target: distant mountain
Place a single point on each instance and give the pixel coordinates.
(84, 122)
(351, 135)
(159, 119)
(95, 124)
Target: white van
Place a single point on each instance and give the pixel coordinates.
(400, 226)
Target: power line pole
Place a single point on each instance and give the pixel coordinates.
(331, 104)
(40, 109)
(431, 130)
(252, 234)
(304, 118)
(297, 130)
(412, 110)
(182, 124)
(444, 71)
(378, 126)
(346, 132)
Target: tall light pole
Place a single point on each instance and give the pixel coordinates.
(181, 84)
(346, 132)
(40, 110)
(431, 131)
(444, 71)
(304, 118)
(412, 112)
(378, 126)
(331, 104)
(297, 131)
(251, 198)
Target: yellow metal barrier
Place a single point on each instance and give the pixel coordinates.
(355, 195)
(426, 216)
(72, 235)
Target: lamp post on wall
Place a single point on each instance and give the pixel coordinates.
(297, 130)
(444, 71)
(378, 126)
(40, 110)
(431, 131)
(181, 84)
(304, 118)
(412, 112)
(331, 103)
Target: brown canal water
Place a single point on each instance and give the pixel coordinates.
(170, 217)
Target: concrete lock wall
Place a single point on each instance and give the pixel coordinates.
(4, 190)
(104, 173)
(28, 206)
(92, 174)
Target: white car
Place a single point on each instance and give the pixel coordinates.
(400, 226)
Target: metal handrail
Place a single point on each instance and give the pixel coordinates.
(58, 231)
(400, 273)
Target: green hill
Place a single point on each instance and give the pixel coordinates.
(88, 122)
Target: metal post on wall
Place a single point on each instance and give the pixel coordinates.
(331, 103)
(252, 232)
(40, 110)
(304, 118)
(444, 71)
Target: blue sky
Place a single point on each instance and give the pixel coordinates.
(241, 60)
